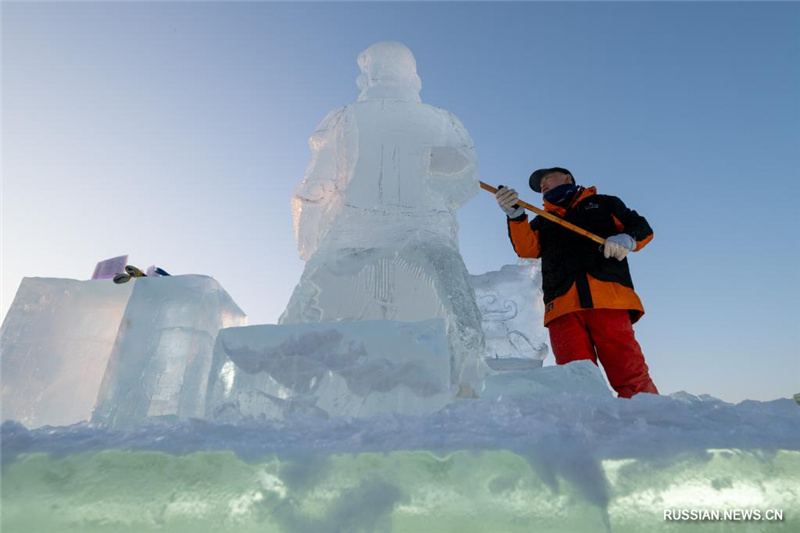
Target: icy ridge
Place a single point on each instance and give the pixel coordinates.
(644, 427)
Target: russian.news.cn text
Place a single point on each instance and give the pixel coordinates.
(734, 515)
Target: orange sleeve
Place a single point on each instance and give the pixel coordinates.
(524, 239)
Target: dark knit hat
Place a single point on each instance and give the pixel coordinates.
(537, 176)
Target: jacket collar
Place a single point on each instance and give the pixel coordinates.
(583, 192)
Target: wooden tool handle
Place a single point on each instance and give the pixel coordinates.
(549, 216)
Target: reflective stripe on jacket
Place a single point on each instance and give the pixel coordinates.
(575, 274)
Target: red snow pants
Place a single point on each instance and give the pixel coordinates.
(605, 334)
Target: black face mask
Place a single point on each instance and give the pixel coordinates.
(561, 195)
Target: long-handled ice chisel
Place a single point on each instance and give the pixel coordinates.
(549, 216)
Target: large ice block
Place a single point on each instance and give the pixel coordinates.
(354, 369)
(160, 363)
(576, 377)
(55, 342)
(512, 315)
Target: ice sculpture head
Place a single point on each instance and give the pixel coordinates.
(388, 70)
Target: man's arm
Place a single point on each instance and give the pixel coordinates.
(524, 238)
(630, 222)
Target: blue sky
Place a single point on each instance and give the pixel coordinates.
(176, 134)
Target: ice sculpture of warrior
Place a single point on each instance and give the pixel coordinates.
(375, 215)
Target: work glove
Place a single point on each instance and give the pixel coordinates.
(507, 199)
(618, 246)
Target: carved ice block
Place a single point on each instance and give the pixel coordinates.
(325, 369)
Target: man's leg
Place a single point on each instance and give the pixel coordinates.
(619, 352)
(570, 339)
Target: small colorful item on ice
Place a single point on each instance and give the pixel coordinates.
(121, 278)
(135, 272)
(153, 270)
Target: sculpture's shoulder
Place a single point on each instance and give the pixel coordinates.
(409, 110)
(333, 118)
(443, 114)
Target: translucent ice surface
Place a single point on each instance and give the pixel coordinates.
(512, 315)
(578, 377)
(161, 361)
(56, 341)
(331, 369)
(375, 215)
(566, 462)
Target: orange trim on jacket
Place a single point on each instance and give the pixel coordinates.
(641, 244)
(605, 295)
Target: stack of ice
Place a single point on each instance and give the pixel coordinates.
(55, 343)
(118, 354)
(161, 361)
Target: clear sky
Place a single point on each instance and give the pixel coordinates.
(176, 133)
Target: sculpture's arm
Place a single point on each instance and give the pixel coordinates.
(453, 164)
(314, 200)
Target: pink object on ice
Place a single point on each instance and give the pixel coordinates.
(108, 268)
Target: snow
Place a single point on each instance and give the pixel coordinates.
(643, 427)
(556, 462)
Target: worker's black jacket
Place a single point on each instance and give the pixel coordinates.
(568, 257)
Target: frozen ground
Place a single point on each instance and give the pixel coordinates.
(566, 462)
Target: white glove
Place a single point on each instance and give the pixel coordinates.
(507, 198)
(618, 246)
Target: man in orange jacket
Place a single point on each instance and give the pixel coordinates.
(590, 304)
